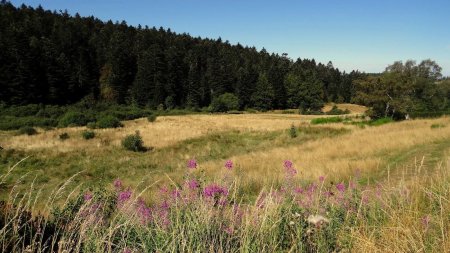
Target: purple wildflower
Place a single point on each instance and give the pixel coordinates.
(127, 250)
(176, 193)
(340, 187)
(87, 196)
(290, 170)
(118, 184)
(321, 179)
(192, 164)
(288, 164)
(229, 164)
(124, 196)
(193, 184)
(214, 190)
(426, 222)
(144, 211)
(298, 190)
(229, 230)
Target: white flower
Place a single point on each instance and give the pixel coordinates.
(317, 219)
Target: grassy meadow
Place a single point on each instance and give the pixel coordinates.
(360, 183)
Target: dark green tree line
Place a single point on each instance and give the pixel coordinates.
(55, 58)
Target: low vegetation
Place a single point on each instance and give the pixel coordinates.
(87, 135)
(194, 214)
(151, 118)
(133, 142)
(108, 122)
(27, 130)
(64, 136)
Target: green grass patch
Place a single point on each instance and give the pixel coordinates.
(328, 120)
(434, 126)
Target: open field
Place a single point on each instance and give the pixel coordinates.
(257, 143)
(389, 180)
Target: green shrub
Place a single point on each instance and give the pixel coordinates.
(293, 131)
(108, 122)
(225, 102)
(134, 142)
(73, 118)
(27, 130)
(87, 135)
(64, 136)
(151, 118)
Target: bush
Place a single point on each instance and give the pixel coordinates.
(151, 118)
(73, 118)
(64, 136)
(108, 122)
(27, 130)
(134, 142)
(87, 135)
(225, 102)
(293, 131)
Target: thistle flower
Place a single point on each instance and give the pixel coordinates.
(229, 165)
(192, 164)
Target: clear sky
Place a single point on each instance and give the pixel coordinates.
(354, 34)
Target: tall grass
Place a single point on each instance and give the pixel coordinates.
(194, 215)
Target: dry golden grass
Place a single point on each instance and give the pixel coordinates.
(365, 149)
(166, 131)
(368, 149)
(354, 109)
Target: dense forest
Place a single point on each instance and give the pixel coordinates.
(53, 58)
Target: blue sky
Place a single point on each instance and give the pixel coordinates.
(365, 35)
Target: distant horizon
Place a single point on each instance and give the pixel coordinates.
(364, 50)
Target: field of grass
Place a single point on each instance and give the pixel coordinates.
(411, 155)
